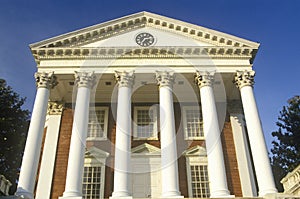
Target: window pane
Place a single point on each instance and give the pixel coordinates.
(91, 185)
(96, 125)
(145, 120)
(194, 123)
(199, 180)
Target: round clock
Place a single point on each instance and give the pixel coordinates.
(144, 39)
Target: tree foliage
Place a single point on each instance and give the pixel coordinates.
(13, 129)
(286, 147)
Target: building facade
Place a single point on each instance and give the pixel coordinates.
(145, 106)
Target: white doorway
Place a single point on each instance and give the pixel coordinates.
(146, 173)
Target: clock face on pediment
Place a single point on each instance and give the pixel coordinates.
(145, 39)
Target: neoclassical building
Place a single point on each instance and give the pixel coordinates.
(145, 106)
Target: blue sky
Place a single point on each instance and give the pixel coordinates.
(273, 23)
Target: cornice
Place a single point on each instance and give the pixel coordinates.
(138, 52)
(139, 20)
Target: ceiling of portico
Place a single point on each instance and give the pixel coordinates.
(146, 90)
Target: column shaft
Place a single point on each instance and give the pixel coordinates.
(212, 133)
(264, 175)
(169, 173)
(123, 136)
(73, 187)
(31, 156)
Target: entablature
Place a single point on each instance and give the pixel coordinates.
(171, 52)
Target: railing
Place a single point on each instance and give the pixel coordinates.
(4, 185)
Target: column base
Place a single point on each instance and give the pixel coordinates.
(21, 193)
(268, 192)
(120, 197)
(172, 194)
(227, 196)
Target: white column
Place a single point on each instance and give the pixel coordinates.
(123, 136)
(244, 81)
(43, 190)
(44, 82)
(73, 189)
(212, 133)
(169, 173)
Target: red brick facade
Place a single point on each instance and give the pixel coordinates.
(59, 178)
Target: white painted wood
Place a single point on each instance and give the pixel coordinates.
(43, 190)
(245, 169)
(146, 176)
(260, 156)
(33, 145)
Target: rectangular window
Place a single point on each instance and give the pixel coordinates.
(97, 126)
(193, 123)
(145, 122)
(91, 186)
(199, 181)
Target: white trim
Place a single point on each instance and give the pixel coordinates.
(184, 109)
(95, 157)
(106, 109)
(243, 156)
(194, 156)
(154, 122)
(43, 190)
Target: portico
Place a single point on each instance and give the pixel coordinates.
(145, 97)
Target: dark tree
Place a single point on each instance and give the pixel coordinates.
(286, 146)
(13, 129)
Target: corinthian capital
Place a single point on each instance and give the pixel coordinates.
(45, 80)
(165, 78)
(85, 79)
(204, 78)
(244, 78)
(124, 79)
(55, 108)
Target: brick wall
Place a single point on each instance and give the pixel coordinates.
(233, 177)
(64, 143)
(62, 154)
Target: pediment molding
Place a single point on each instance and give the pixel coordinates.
(139, 20)
(195, 151)
(145, 148)
(94, 152)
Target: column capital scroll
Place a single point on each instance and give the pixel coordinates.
(124, 78)
(204, 78)
(55, 108)
(165, 78)
(85, 79)
(244, 78)
(45, 80)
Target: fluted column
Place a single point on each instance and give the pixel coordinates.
(169, 173)
(44, 82)
(212, 133)
(73, 188)
(123, 136)
(244, 81)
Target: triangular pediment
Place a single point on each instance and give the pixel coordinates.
(145, 149)
(163, 28)
(195, 151)
(94, 152)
